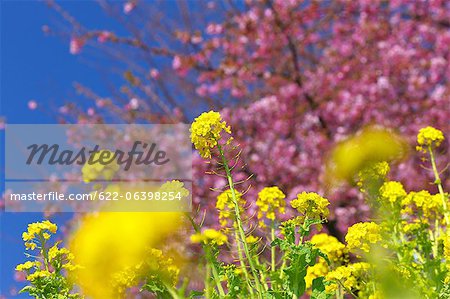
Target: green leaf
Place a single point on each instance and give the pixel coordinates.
(296, 271)
(28, 289)
(196, 294)
(318, 289)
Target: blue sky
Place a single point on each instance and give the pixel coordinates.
(36, 67)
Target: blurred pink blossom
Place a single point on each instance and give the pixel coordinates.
(76, 45)
(32, 104)
(154, 73)
(104, 36)
(128, 7)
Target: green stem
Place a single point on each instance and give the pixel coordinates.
(207, 287)
(239, 222)
(242, 262)
(215, 273)
(210, 259)
(262, 275)
(172, 292)
(44, 251)
(439, 184)
(272, 233)
(283, 265)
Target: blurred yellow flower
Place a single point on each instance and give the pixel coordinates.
(98, 170)
(369, 146)
(251, 239)
(108, 243)
(176, 187)
(209, 236)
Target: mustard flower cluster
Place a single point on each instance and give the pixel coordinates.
(225, 206)
(311, 205)
(349, 276)
(45, 272)
(372, 175)
(62, 256)
(206, 131)
(157, 269)
(335, 251)
(331, 246)
(429, 136)
(209, 236)
(361, 235)
(392, 192)
(176, 187)
(320, 269)
(37, 233)
(270, 201)
(423, 204)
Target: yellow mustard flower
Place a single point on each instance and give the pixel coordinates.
(349, 276)
(225, 206)
(206, 131)
(412, 227)
(251, 239)
(59, 253)
(331, 246)
(38, 274)
(429, 136)
(320, 269)
(430, 206)
(447, 247)
(392, 192)
(270, 201)
(25, 266)
(312, 205)
(176, 187)
(30, 245)
(36, 231)
(209, 236)
(124, 280)
(372, 175)
(361, 235)
(156, 266)
(335, 252)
